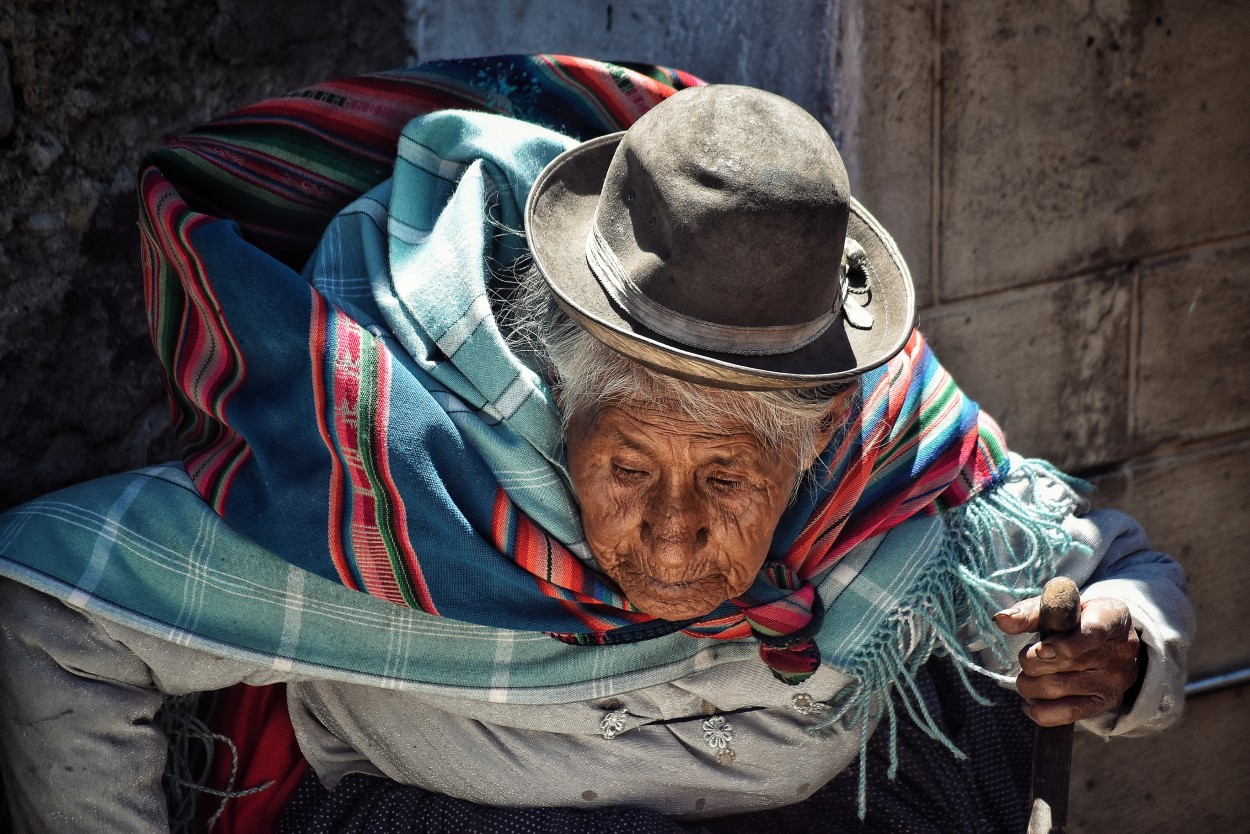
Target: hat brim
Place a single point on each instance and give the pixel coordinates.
(558, 215)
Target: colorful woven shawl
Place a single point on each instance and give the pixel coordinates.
(365, 420)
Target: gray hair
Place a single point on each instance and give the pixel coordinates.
(589, 375)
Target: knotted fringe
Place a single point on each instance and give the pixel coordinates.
(191, 745)
(785, 628)
(954, 595)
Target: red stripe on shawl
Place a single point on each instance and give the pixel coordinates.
(397, 523)
(150, 258)
(362, 122)
(361, 117)
(206, 365)
(786, 615)
(363, 114)
(731, 627)
(273, 178)
(502, 523)
(812, 551)
(193, 367)
(587, 612)
(827, 538)
(213, 472)
(370, 98)
(317, 353)
(605, 97)
(382, 103)
(367, 113)
(983, 469)
(369, 550)
(558, 572)
(617, 105)
(584, 614)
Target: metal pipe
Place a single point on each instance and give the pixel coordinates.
(1214, 683)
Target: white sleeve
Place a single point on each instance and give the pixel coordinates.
(1122, 565)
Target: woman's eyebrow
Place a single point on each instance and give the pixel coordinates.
(628, 440)
(733, 459)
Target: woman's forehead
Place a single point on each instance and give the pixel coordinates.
(642, 426)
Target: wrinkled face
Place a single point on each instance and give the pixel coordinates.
(680, 513)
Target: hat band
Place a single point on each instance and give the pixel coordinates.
(698, 333)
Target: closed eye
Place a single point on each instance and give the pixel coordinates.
(724, 484)
(624, 473)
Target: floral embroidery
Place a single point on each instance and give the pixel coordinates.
(718, 732)
(613, 724)
(807, 705)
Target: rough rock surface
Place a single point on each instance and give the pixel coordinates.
(86, 88)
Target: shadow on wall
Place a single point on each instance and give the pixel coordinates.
(751, 42)
(86, 89)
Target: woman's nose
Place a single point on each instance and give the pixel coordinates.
(674, 525)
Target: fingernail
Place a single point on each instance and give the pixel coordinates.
(1046, 651)
(1007, 612)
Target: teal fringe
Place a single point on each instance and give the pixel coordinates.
(955, 595)
(191, 747)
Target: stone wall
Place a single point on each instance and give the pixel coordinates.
(1068, 182)
(85, 89)
(1089, 251)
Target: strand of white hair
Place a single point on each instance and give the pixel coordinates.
(588, 375)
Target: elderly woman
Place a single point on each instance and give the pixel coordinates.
(648, 520)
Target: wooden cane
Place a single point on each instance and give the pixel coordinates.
(1052, 746)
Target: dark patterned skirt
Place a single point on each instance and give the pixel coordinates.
(932, 793)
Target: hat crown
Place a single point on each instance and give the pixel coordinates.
(729, 205)
(716, 240)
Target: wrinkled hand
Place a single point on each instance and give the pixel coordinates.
(1067, 677)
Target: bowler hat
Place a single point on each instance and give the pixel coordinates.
(716, 240)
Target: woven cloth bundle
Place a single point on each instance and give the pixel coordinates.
(321, 270)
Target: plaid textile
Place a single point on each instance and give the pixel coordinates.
(362, 426)
(143, 549)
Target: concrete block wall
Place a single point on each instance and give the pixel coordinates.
(737, 41)
(1068, 182)
(1091, 283)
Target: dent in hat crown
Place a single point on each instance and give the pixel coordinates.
(728, 206)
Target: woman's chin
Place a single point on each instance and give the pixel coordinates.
(681, 601)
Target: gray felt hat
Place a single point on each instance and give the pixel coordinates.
(716, 240)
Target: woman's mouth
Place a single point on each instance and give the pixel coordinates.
(671, 600)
